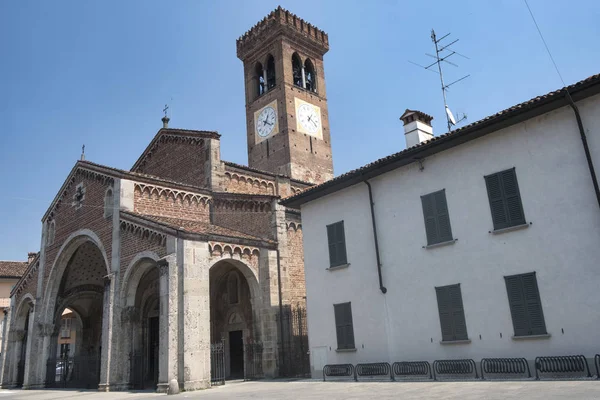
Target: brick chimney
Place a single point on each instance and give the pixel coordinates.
(31, 256)
(417, 127)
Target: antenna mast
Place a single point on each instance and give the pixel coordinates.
(440, 57)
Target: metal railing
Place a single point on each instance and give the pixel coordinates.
(73, 372)
(454, 368)
(412, 369)
(253, 368)
(217, 363)
(597, 363)
(571, 366)
(338, 371)
(504, 367)
(373, 370)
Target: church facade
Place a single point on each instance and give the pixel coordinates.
(153, 265)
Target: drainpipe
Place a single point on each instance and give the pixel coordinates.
(381, 287)
(585, 146)
(282, 357)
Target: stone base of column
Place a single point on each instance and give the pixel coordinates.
(113, 387)
(196, 385)
(34, 386)
(162, 387)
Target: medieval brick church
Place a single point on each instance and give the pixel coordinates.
(140, 272)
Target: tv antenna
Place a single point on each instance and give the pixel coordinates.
(442, 53)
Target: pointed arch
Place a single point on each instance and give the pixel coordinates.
(310, 76)
(270, 72)
(297, 70)
(259, 79)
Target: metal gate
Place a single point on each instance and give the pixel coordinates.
(73, 372)
(253, 352)
(136, 371)
(217, 363)
(294, 359)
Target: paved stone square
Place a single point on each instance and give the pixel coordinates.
(576, 390)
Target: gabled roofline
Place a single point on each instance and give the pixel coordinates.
(120, 174)
(511, 116)
(25, 273)
(174, 131)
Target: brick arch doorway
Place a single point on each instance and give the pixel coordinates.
(233, 318)
(22, 326)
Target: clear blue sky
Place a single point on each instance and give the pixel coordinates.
(99, 73)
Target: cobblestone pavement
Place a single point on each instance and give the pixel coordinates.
(574, 390)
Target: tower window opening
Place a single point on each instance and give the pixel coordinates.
(297, 70)
(270, 72)
(309, 76)
(260, 80)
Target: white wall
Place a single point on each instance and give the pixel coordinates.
(562, 246)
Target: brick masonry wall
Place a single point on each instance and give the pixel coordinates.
(256, 222)
(68, 219)
(177, 158)
(134, 242)
(171, 204)
(238, 183)
(295, 288)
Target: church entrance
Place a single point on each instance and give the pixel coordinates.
(232, 319)
(23, 355)
(236, 355)
(152, 350)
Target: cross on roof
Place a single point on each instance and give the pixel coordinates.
(165, 109)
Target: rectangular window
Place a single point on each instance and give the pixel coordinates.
(337, 244)
(525, 304)
(343, 326)
(452, 315)
(437, 218)
(65, 328)
(505, 199)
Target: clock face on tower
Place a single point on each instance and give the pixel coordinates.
(265, 122)
(309, 118)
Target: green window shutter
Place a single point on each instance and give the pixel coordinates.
(331, 238)
(495, 195)
(443, 298)
(443, 217)
(437, 218)
(525, 305)
(343, 325)
(537, 325)
(341, 243)
(512, 197)
(452, 314)
(429, 214)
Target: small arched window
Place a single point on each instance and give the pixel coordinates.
(309, 76)
(270, 72)
(259, 79)
(108, 203)
(297, 70)
(233, 288)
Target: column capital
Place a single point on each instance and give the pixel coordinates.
(130, 314)
(47, 329)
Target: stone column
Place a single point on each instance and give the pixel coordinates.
(29, 378)
(168, 324)
(129, 318)
(266, 87)
(106, 358)
(48, 341)
(267, 309)
(195, 316)
(303, 78)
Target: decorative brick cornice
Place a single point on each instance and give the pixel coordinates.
(228, 250)
(246, 205)
(143, 232)
(256, 183)
(177, 195)
(293, 226)
(29, 274)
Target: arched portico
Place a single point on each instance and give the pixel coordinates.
(19, 340)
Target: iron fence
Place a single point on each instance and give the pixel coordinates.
(217, 363)
(73, 372)
(294, 359)
(412, 369)
(505, 367)
(597, 363)
(374, 370)
(454, 368)
(338, 370)
(253, 354)
(565, 366)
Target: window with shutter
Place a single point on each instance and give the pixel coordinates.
(505, 199)
(343, 325)
(437, 218)
(452, 315)
(337, 244)
(525, 304)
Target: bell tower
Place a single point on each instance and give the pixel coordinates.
(286, 104)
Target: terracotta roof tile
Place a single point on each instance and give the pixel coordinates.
(12, 269)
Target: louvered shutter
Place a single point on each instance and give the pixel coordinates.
(525, 305)
(514, 207)
(343, 325)
(339, 327)
(337, 244)
(341, 243)
(430, 220)
(443, 217)
(443, 298)
(458, 313)
(494, 188)
(331, 237)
